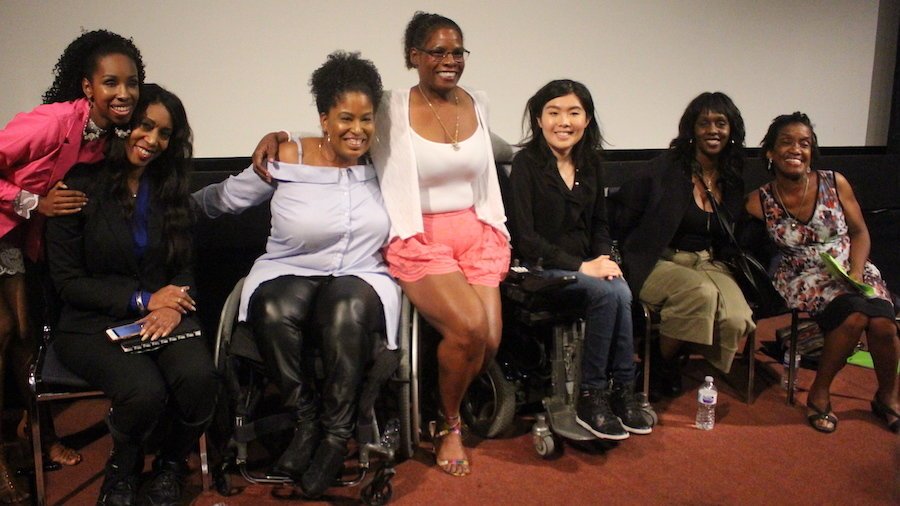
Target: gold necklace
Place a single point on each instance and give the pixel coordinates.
(793, 218)
(454, 139)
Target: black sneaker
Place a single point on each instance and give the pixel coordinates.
(594, 414)
(631, 409)
(167, 484)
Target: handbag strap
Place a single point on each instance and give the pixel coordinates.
(723, 220)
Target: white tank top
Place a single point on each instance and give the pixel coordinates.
(446, 175)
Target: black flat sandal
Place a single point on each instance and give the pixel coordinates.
(883, 411)
(819, 415)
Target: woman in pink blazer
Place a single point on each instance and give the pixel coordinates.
(94, 92)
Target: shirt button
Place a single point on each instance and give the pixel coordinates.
(577, 183)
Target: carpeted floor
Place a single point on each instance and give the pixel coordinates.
(758, 454)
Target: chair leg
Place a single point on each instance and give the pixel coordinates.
(792, 363)
(750, 350)
(204, 463)
(36, 448)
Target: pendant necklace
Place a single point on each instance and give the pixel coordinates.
(794, 220)
(454, 139)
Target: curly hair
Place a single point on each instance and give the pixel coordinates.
(80, 59)
(344, 72)
(586, 153)
(168, 174)
(420, 28)
(731, 160)
(768, 142)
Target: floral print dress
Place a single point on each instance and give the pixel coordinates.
(802, 277)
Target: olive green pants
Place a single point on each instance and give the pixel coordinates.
(699, 303)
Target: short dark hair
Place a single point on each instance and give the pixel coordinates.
(343, 72)
(420, 27)
(586, 153)
(731, 161)
(80, 58)
(768, 141)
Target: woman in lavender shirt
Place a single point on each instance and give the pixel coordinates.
(322, 276)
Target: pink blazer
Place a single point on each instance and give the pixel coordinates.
(37, 148)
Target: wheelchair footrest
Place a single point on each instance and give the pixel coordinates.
(562, 420)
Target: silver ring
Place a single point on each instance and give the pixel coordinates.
(183, 289)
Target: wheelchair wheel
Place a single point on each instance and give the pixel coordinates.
(380, 490)
(407, 445)
(490, 403)
(547, 446)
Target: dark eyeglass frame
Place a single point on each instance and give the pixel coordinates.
(438, 55)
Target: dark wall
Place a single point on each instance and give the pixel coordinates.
(227, 246)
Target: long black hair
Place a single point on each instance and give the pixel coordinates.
(731, 160)
(168, 174)
(80, 58)
(585, 153)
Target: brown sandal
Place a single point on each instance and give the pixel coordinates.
(450, 425)
(54, 450)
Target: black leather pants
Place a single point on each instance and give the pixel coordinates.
(341, 316)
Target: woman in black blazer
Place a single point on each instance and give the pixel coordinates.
(127, 257)
(673, 241)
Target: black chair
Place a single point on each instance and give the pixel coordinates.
(50, 381)
(647, 330)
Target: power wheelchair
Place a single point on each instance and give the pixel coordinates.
(383, 434)
(537, 368)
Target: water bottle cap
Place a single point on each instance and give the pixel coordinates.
(708, 379)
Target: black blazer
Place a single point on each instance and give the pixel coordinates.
(646, 213)
(92, 262)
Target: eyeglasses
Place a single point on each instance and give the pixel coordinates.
(458, 55)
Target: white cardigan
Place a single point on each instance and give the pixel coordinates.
(395, 163)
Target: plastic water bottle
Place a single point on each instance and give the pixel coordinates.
(706, 404)
(786, 362)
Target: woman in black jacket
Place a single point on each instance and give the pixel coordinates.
(127, 257)
(557, 213)
(672, 239)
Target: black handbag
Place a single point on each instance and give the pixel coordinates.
(749, 274)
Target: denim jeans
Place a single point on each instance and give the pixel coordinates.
(608, 350)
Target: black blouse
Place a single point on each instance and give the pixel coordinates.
(549, 221)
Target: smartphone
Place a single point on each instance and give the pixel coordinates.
(123, 331)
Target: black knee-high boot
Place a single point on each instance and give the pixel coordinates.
(307, 434)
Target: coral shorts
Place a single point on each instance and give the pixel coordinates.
(452, 242)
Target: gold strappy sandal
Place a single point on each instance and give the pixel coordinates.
(450, 425)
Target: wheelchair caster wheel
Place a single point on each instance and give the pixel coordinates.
(547, 445)
(380, 490)
(377, 496)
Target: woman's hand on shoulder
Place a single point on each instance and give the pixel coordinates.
(172, 297)
(267, 151)
(159, 323)
(601, 267)
(60, 201)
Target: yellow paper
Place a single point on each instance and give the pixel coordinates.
(838, 271)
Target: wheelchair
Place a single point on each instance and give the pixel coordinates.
(537, 368)
(383, 435)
